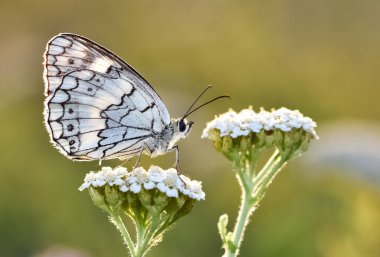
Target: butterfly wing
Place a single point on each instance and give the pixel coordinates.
(97, 106)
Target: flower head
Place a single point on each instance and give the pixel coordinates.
(166, 181)
(154, 199)
(248, 121)
(113, 188)
(235, 133)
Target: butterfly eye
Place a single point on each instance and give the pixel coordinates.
(181, 126)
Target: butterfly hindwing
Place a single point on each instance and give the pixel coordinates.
(97, 106)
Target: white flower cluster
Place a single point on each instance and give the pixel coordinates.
(247, 121)
(166, 181)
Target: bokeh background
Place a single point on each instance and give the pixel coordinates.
(321, 57)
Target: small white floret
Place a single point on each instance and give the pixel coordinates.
(124, 188)
(156, 174)
(135, 188)
(172, 192)
(149, 185)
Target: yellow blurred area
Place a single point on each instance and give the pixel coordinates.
(321, 57)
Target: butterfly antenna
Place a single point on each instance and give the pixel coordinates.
(196, 100)
(212, 100)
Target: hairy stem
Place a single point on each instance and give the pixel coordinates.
(144, 244)
(246, 209)
(253, 190)
(117, 220)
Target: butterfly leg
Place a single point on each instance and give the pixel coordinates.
(124, 162)
(140, 153)
(177, 166)
(138, 157)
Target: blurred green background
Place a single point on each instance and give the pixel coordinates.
(321, 57)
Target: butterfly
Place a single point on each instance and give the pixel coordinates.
(98, 107)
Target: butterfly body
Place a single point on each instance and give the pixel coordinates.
(98, 107)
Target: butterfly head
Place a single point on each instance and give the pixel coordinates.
(182, 127)
(179, 129)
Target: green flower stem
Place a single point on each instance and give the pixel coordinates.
(141, 223)
(144, 236)
(139, 236)
(164, 225)
(253, 191)
(262, 185)
(243, 178)
(116, 218)
(246, 209)
(252, 161)
(143, 244)
(268, 165)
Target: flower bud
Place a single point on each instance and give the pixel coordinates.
(98, 198)
(160, 202)
(113, 197)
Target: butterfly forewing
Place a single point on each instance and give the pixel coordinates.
(97, 106)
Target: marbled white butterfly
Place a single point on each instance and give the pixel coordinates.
(98, 107)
